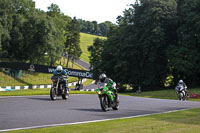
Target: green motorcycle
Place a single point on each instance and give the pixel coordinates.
(107, 98)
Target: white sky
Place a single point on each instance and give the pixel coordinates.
(91, 10)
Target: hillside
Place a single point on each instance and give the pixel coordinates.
(42, 78)
(85, 41)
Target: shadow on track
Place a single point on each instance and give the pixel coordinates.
(89, 110)
(42, 99)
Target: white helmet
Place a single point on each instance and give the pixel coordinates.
(180, 81)
(102, 77)
(59, 69)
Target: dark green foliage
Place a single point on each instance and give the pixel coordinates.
(94, 28)
(149, 63)
(95, 59)
(30, 35)
(0, 38)
(72, 45)
(154, 39)
(184, 57)
(13, 15)
(53, 10)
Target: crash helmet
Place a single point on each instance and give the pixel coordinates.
(59, 69)
(102, 77)
(180, 82)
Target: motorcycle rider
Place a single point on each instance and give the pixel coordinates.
(59, 71)
(181, 84)
(110, 83)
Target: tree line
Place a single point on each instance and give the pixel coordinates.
(156, 43)
(94, 28)
(31, 35)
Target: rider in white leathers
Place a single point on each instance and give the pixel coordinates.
(181, 84)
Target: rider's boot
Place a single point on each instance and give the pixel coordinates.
(67, 90)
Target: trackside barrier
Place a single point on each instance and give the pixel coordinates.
(81, 74)
(32, 86)
(13, 88)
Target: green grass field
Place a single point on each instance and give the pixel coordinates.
(28, 78)
(85, 41)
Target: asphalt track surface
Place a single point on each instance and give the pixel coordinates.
(83, 64)
(33, 111)
(87, 66)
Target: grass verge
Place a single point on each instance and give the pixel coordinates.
(29, 92)
(164, 94)
(175, 122)
(28, 78)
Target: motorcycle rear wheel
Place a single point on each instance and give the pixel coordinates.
(116, 107)
(66, 94)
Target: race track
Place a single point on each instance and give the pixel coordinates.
(33, 111)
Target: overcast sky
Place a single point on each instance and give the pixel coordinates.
(91, 10)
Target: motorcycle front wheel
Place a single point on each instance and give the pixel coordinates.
(104, 103)
(53, 93)
(180, 96)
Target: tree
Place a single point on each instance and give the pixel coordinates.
(16, 44)
(184, 56)
(31, 35)
(135, 52)
(96, 56)
(58, 33)
(6, 21)
(0, 38)
(53, 10)
(105, 28)
(72, 43)
(94, 28)
(152, 20)
(13, 15)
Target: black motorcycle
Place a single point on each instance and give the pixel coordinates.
(58, 88)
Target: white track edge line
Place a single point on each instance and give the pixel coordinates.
(75, 123)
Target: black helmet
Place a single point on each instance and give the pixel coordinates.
(102, 77)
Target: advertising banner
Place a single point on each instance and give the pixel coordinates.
(45, 69)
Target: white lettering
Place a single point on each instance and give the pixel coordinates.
(74, 73)
(80, 74)
(50, 70)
